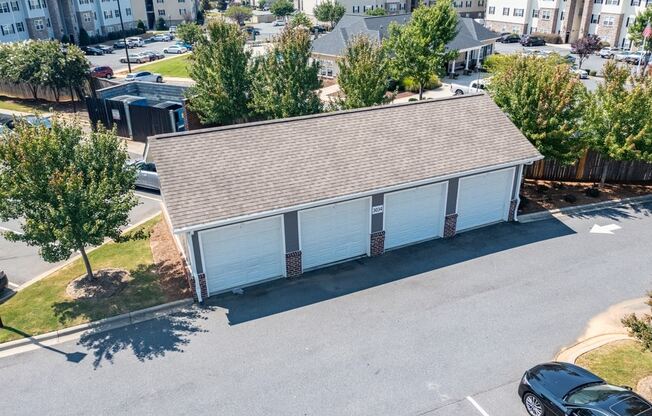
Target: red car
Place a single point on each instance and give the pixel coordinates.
(102, 72)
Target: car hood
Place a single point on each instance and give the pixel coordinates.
(561, 378)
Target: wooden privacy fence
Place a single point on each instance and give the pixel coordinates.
(590, 168)
(23, 91)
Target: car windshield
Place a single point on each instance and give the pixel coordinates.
(592, 393)
(632, 406)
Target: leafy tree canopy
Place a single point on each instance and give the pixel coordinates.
(282, 8)
(585, 47)
(190, 33)
(378, 11)
(239, 13)
(329, 11)
(635, 29)
(301, 19)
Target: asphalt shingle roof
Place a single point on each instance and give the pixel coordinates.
(217, 174)
(471, 34)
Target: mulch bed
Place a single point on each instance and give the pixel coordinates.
(546, 195)
(104, 284)
(168, 263)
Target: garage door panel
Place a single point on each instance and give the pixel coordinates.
(243, 254)
(334, 232)
(484, 199)
(414, 215)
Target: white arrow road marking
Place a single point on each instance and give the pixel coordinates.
(477, 406)
(604, 229)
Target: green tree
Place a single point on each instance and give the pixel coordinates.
(418, 49)
(545, 101)
(282, 8)
(618, 121)
(219, 67)
(262, 4)
(28, 63)
(640, 328)
(190, 33)
(161, 24)
(285, 80)
(84, 39)
(65, 39)
(635, 29)
(205, 5)
(329, 11)
(141, 26)
(221, 5)
(71, 191)
(239, 14)
(363, 74)
(301, 19)
(62, 70)
(378, 11)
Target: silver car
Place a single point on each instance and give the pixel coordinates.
(147, 175)
(144, 76)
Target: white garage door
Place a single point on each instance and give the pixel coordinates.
(242, 254)
(334, 232)
(415, 214)
(483, 199)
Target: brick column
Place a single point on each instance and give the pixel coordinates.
(450, 225)
(377, 243)
(202, 286)
(193, 291)
(512, 209)
(293, 267)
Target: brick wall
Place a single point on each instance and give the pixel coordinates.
(498, 26)
(450, 225)
(377, 243)
(202, 286)
(293, 265)
(512, 210)
(610, 33)
(548, 26)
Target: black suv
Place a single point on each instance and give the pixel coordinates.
(4, 281)
(509, 38)
(532, 41)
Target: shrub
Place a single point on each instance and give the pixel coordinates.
(411, 99)
(593, 192)
(640, 328)
(84, 39)
(65, 39)
(160, 24)
(408, 84)
(593, 73)
(570, 198)
(549, 37)
(141, 25)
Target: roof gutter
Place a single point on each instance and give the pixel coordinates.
(328, 201)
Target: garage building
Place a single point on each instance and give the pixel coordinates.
(261, 201)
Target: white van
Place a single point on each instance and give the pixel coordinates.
(136, 41)
(172, 29)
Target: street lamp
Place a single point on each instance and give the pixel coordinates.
(124, 37)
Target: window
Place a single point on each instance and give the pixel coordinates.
(87, 17)
(95, 15)
(636, 2)
(20, 27)
(355, 9)
(117, 13)
(38, 24)
(597, 1)
(128, 11)
(7, 29)
(34, 4)
(469, 3)
(545, 14)
(608, 21)
(182, 12)
(161, 12)
(505, 11)
(14, 6)
(630, 19)
(561, 16)
(108, 14)
(613, 2)
(535, 13)
(4, 8)
(518, 12)
(481, 3)
(595, 18)
(159, 1)
(492, 10)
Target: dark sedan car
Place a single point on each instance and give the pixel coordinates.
(532, 41)
(510, 38)
(92, 50)
(562, 389)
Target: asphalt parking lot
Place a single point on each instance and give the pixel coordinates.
(22, 263)
(113, 59)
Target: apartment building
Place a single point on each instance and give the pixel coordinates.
(172, 11)
(466, 8)
(571, 19)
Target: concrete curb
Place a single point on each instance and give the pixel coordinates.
(75, 332)
(546, 215)
(572, 353)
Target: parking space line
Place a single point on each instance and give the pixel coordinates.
(10, 230)
(148, 197)
(477, 406)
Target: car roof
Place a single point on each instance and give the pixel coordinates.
(561, 378)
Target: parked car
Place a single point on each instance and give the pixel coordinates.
(177, 49)
(162, 37)
(172, 29)
(136, 58)
(279, 23)
(565, 389)
(153, 56)
(532, 41)
(106, 48)
(510, 38)
(608, 52)
(252, 30)
(4, 280)
(137, 41)
(186, 45)
(147, 176)
(318, 29)
(92, 50)
(121, 44)
(570, 59)
(8, 122)
(102, 72)
(635, 57)
(581, 74)
(476, 86)
(621, 56)
(144, 76)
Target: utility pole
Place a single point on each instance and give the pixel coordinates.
(124, 37)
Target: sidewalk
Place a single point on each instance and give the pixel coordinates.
(603, 329)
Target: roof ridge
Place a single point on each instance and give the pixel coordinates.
(311, 116)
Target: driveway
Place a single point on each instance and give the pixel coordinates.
(113, 59)
(432, 329)
(22, 263)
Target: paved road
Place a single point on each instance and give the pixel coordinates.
(113, 59)
(23, 263)
(413, 332)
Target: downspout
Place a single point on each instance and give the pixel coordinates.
(193, 267)
(518, 190)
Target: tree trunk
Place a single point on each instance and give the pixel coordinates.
(89, 270)
(603, 178)
(420, 91)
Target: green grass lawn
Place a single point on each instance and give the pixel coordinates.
(622, 363)
(173, 67)
(26, 106)
(44, 306)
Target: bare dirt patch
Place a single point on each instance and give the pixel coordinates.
(168, 262)
(644, 387)
(104, 284)
(546, 195)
